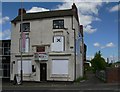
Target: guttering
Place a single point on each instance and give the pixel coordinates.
(74, 50)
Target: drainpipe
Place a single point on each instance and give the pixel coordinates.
(74, 50)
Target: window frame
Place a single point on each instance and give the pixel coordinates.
(24, 51)
(23, 26)
(27, 70)
(63, 71)
(38, 48)
(63, 42)
(60, 26)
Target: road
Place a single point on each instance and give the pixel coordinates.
(92, 84)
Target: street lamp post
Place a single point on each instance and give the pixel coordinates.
(21, 71)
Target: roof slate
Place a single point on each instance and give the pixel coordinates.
(41, 15)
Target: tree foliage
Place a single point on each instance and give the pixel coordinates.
(98, 62)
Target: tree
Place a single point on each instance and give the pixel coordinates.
(98, 62)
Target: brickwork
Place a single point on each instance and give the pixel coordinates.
(113, 75)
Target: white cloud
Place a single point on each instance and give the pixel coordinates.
(87, 11)
(36, 9)
(115, 8)
(4, 20)
(113, 58)
(65, 5)
(89, 57)
(97, 19)
(6, 34)
(102, 47)
(110, 44)
(96, 44)
(88, 7)
(89, 29)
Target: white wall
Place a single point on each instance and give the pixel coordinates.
(79, 58)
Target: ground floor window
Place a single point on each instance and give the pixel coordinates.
(60, 67)
(6, 70)
(26, 66)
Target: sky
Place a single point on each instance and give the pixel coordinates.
(100, 21)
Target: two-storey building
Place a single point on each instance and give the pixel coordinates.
(52, 46)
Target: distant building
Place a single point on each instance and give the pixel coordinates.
(51, 46)
(116, 64)
(5, 58)
(108, 60)
(85, 50)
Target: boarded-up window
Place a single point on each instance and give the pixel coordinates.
(25, 43)
(58, 43)
(60, 66)
(26, 66)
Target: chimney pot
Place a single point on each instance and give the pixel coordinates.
(74, 7)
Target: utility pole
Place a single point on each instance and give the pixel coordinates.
(113, 59)
(21, 71)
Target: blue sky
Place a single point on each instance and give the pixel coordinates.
(100, 21)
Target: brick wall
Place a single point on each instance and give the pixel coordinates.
(113, 75)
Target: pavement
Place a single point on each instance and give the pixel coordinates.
(92, 84)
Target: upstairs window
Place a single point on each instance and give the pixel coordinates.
(58, 44)
(6, 48)
(58, 24)
(25, 42)
(25, 27)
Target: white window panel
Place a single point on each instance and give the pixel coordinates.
(58, 44)
(26, 66)
(60, 67)
(27, 45)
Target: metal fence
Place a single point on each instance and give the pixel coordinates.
(101, 75)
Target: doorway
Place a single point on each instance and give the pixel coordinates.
(43, 71)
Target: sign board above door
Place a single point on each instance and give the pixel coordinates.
(39, 56)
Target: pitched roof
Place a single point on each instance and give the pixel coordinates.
(41, 15)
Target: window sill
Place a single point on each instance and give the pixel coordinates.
(59, 54)
(59, 75)
(25, 75)
(24, 55)
(58, 30)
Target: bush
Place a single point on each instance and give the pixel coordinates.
(98, 62)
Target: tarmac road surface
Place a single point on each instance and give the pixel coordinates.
(92, 84)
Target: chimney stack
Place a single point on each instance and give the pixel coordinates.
(75, 11)
(23, 11)
(74, 7)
